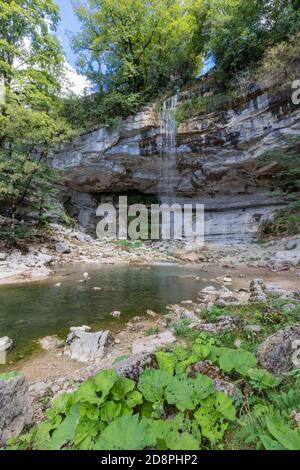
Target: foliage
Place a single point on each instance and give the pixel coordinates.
(238, 32)
(166, 409)
(285, 181)
(31, 64)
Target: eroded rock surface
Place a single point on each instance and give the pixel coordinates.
(15, 406)
(83, 346)
(276, 353)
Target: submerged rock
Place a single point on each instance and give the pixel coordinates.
(84, 346)
(276, 353)
(116, 314)
(16, 405)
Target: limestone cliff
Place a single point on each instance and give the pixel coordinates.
(216, 162)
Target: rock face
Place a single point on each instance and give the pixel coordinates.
(15, 406)
(216, 162)
(87, 347)
(276, 353)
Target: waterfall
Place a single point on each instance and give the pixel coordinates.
(168, 128)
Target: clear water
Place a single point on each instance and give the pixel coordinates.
(31, 311)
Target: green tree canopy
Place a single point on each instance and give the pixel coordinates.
(237, 32)
(137, 45)
(31, 65)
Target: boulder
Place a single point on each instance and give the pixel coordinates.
(178, 312)
(62, 248)
(222, 297)
(151, 343)
(135, 365)
(224, 323)
(84, 346)
(15, 405)
(276, 353)
(291, 245)
(5, 345)
(3, 256)
(116, 314)
(258, 291)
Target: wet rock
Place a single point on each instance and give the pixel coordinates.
(116, 314)
(133, 367)
(49, 343)
(151, 343)
(16, 406)
(291, 245)
(84, 346)
(152, 314)
(276, 352)
(62, 248)
(6, 344)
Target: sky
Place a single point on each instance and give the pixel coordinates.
(69, 23)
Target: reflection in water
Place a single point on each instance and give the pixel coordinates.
(28, 312)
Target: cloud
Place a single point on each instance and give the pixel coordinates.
(76, 83)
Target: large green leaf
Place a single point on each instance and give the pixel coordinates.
(262, 379)
(166, 361)
(66, 430)
(152, 384)
(181, 441)
(104, 382)
(125, 433)
(110, 411)
(239, 360)
(286, 436)
(121, 388)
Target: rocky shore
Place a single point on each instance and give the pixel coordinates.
(241, 313)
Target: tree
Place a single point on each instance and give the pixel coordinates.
(137, 46)
(31, 64)
(238, 32)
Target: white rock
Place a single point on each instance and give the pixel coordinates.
(80, 328)
(151, 343)
(116, 314)
(87, 347)
(6, 344)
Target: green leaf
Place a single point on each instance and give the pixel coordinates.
(105, 381)
(66, 430)
(181, 441)
(125, 433)
(166, 361)
(152, 384)
(263, 380)
(134, 399)
(110, 411)
(287, 437)
(6, 376)
(121, 388)
(239, 360)
(225, 406)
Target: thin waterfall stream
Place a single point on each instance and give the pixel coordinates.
(169, 173)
